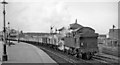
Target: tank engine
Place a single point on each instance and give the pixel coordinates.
(82, 43)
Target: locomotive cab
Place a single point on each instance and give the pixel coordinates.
(87, 45)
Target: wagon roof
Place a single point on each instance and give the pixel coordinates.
(86, 35)
(39, 34)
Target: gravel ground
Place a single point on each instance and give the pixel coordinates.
(109, 50)
(61, 61)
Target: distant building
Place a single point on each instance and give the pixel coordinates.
(114, 34)
(102, 39)
(114, 37)
(111, 42)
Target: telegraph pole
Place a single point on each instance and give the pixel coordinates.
(4, 57)
(113, 35)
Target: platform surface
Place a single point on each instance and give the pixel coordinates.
(26, 53)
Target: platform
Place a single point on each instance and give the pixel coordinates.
(26, 53)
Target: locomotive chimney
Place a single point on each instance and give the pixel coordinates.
(76, 21)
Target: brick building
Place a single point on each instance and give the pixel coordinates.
(114, 34)
(114, 37)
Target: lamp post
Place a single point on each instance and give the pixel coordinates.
(4, 57)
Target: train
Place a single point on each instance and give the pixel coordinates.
(81, 43)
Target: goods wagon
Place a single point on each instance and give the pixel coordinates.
(83, 43)
(44, 40)
(54, 41)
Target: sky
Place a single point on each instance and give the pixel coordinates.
(39, 15)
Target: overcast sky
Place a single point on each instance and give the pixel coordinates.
(39, 15)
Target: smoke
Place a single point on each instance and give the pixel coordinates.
(38, 16)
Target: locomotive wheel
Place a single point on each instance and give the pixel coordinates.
(83, 56)
(87, 56)
(69, 52)
(72, 53)
(76, 55)
(79, 55)
(65, 50)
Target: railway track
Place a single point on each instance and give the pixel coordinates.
(68, 60)
(72, 60)
(105, 59)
